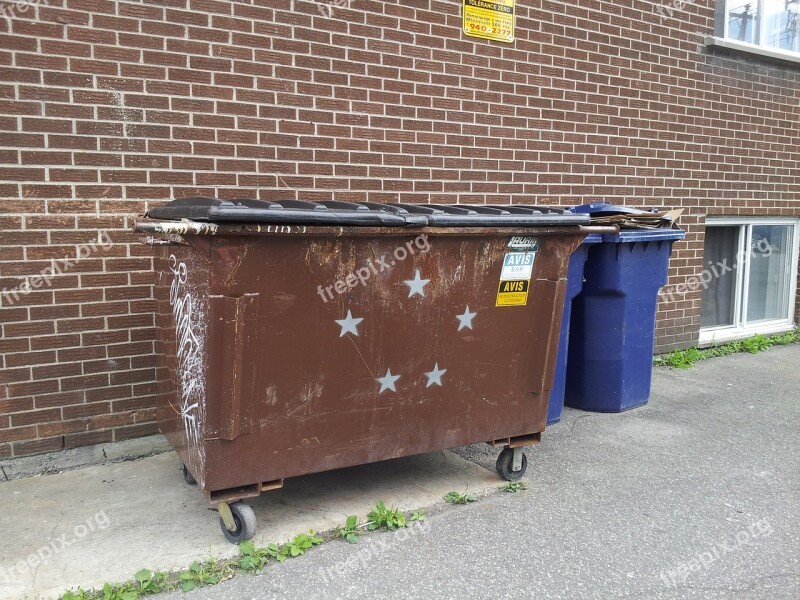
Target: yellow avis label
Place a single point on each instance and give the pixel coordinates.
(513, 293)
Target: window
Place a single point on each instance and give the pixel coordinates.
(750, 280)
(767, 25)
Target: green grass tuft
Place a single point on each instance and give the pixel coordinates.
(685, 359)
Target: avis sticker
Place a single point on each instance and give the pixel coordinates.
(513, 293)
(518, 265)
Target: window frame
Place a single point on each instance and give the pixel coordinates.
(740, 328)
(722, 37)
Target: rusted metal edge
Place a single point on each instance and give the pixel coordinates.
(240, 493)
(518, 442)
(186, 227)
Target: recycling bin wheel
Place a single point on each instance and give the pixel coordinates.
(505, 464)
(188, 477)
(245, 519)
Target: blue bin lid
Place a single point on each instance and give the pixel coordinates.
(631, 236)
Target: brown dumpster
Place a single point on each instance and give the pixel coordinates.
(300, 337)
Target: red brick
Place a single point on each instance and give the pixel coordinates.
(16, 434)
(146, 389)
(31, 388)
(84, 382)
(55, 371)
(88, 438)
(14, 375)
(134, 431)
(36, 416)
(59, 399)
(132, 376)
(31, 358)
(112, 420)
(54, 342)
(37, 29)
(138, 405)
(93, 6)
(15, 405)
(10, 315)
(108, 393)
(63, 427)
(38, 446)
(28, 329)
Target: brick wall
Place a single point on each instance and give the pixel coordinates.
(107, 105)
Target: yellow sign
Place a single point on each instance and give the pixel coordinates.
(490, 19)
(513, 293)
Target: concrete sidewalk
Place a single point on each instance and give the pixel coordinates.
(653, 503)
(107, 522)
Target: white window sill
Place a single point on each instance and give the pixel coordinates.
(776, 53)
(712, 337)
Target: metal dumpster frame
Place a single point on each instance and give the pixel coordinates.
(226, 436)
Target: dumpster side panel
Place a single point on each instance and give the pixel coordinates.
(233, 326)
(369, 348)
(181, 292)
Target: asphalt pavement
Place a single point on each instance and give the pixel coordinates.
(696, 495)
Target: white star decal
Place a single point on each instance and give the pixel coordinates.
(435, 376)
(387, 381)
(349, 325)
(417, 285)
(466, 319)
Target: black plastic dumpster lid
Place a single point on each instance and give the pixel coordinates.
(299, 212)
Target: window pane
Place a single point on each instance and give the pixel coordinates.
(719, 298)
(743, 20)
(781, 23)
(768, 288)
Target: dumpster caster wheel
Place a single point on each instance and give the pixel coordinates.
(245, 520)
(505, 464)
(187, 477)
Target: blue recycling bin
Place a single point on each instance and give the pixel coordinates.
(609, 354)
(574, 287)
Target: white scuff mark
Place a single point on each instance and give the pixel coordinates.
(151, 241)
(186, 227)
(126, 115)
(271, 395)
(187, 312)
(282, 228)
